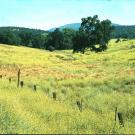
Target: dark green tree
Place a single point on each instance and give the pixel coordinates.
(96, 34)
(38, 41)
(8, 37)
(55, 39)
(68, 36)
(26, 37)
(80, 42)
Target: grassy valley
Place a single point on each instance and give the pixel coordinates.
(102, 81)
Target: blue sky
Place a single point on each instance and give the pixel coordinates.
(46, 14)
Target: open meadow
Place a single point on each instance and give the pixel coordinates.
(75, 93)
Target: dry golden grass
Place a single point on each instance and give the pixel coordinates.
(104, 81)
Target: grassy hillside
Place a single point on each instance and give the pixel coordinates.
(102, 81)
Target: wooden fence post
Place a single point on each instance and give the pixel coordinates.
(120, 117)
(35, 87)
(79, 104)
(115, 114)
(21, 84)
(54, 95)
(18, 75)
(9, 80)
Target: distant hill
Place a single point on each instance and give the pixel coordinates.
(18, 29)
(74, 26)
(120, 30)
(23, 36)
(125, 31)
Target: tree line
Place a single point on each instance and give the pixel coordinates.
(93, 34)
(56, 40)
(122, 31)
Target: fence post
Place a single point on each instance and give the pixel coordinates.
(79, 104)
(21, 83)
(35, 87)
(115, 114)
(54, 95)
(18, 75)
(9, 80)
(120, 117)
